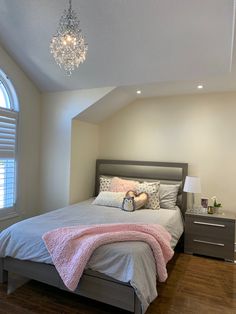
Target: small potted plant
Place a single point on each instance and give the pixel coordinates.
(216, 205)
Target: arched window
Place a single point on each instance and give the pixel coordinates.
(9, 110)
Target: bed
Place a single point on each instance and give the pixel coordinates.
(97, 281)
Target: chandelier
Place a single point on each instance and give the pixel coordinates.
(68, 45)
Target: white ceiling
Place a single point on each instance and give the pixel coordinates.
(162, 46)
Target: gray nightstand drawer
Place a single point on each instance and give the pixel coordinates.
(209, 248)
(215, 230)
(211, 236)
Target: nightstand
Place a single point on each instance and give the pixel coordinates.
(210, 235)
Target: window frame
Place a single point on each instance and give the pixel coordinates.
(11, 212)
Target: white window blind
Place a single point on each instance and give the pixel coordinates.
(8, 132)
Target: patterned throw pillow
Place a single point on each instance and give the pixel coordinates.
(168, 195)
(111, 199)
(152, 189)
(104, 183)
(122, 185)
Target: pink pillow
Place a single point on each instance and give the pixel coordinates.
(121, 185)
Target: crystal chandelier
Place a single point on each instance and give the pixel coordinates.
(68, 45)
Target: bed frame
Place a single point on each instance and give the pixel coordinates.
(93, 284)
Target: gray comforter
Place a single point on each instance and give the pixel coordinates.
(131, 262)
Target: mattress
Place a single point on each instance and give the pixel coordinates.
(131, 262)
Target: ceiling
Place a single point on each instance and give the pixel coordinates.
(161, 46)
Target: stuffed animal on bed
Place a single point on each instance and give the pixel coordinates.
(133, 201)
(128, 204)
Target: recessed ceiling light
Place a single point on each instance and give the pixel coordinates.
(138, 92)
(200, 86)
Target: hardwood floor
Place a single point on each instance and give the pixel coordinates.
(196, 285)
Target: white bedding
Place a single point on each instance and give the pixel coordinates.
(128, 261)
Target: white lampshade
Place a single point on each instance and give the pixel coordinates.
(192, 185)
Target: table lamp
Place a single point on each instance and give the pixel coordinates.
(192, 185)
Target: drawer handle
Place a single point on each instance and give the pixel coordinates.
(208, 224)
(207, 242)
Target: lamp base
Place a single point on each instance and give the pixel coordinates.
(193, 202)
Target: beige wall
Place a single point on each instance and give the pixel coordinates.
(197, 129)
(58, 110)
(28, 140)
(84, 152)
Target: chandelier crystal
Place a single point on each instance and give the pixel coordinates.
(68, 45)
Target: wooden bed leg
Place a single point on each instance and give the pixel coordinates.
(137, 306)
(3, 273)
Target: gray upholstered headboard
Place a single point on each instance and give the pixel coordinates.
(165, 172)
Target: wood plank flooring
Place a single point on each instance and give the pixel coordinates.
(196, 285)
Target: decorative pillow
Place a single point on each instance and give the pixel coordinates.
(122, 185)
(104, 183)
(111, 199)
(152, 189)
(168, 195)
(140, 200)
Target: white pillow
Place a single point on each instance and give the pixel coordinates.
(111, 199)
(152, 189)
(168, 195)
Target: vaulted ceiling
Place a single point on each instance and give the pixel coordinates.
(158, 45)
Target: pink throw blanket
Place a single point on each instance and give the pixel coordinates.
(71, 247)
